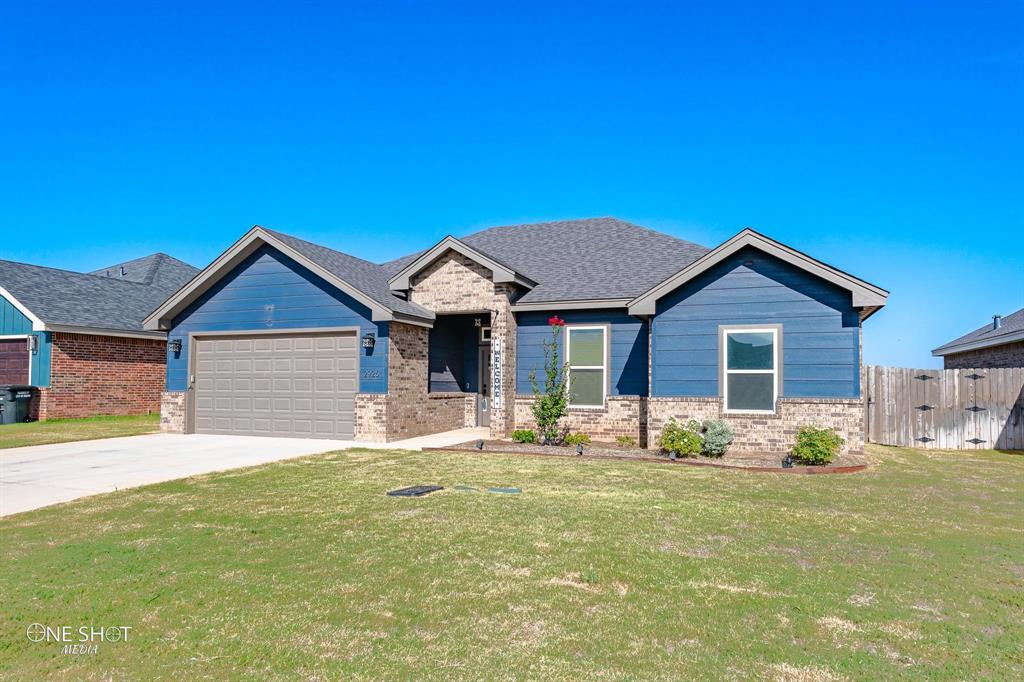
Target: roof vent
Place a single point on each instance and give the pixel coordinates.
(123, 271)
(997, 322)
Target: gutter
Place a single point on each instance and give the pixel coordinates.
(981, 343)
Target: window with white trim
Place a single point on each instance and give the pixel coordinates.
(751, 374)
(587, 357)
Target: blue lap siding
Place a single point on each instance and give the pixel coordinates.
(270, 291)
(820, 328)
(14, 323)
(628, 347)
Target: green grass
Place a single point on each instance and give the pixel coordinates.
(67, 430)
(599, 569)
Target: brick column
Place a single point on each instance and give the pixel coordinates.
(503, 326)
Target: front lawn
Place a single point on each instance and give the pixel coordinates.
(66, 430)
(599, 569)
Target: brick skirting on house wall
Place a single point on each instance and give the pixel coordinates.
(1005, 355)
(172, 411)
(765, 432)
(621, 416)
(644, 418)
(91, 375)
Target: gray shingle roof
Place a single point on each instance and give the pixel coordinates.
(575, 260)
(158, 269)
(91, 300)
(369, 278)
(1011, 324)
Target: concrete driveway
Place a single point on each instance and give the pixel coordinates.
(42, 475)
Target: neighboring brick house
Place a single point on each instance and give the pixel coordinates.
(283, 337)
(997, 344)
(78, 337)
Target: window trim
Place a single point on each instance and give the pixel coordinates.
(605, 333)
(724, 371)
(485, 334)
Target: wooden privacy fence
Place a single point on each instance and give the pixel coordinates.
(954, 409)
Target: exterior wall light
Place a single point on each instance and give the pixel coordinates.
(33, 343)
(174, 346)
(369, 340)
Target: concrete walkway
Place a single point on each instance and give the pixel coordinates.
(42, 475)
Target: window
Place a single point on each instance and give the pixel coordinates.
(750, 380)
(587, 359)
(485, 334)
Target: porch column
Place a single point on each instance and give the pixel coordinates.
(503, 327)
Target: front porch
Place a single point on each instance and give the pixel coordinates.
(459, 366)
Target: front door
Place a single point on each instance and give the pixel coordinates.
(483, 399)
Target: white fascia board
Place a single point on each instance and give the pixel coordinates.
(37, 324)
(499, 273)
(980, 343)
(863, 293)
(239, 251)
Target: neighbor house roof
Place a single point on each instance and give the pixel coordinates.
(1011, 329)
(74, 301)
(157, 269)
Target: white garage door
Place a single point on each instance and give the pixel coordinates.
(300, 386)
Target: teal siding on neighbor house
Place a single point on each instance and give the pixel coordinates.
(628, 347)
(14, 323)
(820, 328)
(270, 291)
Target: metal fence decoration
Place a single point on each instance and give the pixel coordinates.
(952, 409)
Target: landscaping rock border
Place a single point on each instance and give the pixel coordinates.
(755, 462)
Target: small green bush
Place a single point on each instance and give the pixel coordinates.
(524, 436)
(577, 439)
(718, 435)
(816, 446)
(626, 441)
(682, 439)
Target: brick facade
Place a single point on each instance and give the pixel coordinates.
(457, 284)
(765, 432)
(1005, 355)
(408, 410)
(91, 375)
(621, 416)
(371, 417)
(172, 411)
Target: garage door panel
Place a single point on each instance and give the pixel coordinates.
(300, 385)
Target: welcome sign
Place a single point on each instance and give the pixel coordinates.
(497, 347)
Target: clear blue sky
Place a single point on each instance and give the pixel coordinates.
(884, 138)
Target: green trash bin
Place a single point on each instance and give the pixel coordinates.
(14, 403)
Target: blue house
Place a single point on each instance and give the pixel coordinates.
(280, 336)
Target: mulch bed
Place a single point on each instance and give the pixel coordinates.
(748, 461)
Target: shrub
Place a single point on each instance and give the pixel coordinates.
(551, 400)
(682, 439)
(524, 436)
(718, 435)
(626, 441)
(577, 439)
(816, 446)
